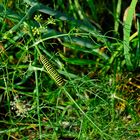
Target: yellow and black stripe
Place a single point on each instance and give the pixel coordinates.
(52, 71)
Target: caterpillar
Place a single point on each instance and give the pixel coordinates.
(52, 71)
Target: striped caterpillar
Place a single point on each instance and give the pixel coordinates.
(52, 71)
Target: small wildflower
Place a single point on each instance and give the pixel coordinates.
(50, 20)
(38, 18)
(35, 31)
(20, 107)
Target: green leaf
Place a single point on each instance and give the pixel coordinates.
(77, 61)
(127, 29)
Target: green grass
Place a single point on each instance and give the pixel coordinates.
(99, 98)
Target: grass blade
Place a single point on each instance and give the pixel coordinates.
(127, 28)
(91, 4)
(118, 11)
(37, 100)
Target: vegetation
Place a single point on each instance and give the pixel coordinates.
(69, 70)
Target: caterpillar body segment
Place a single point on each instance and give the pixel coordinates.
(52, 71)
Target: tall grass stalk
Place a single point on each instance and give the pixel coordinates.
(117, 15)
(37, 101)
(91, 4)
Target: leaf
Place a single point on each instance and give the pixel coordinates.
(127, 28)
(77, 61)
